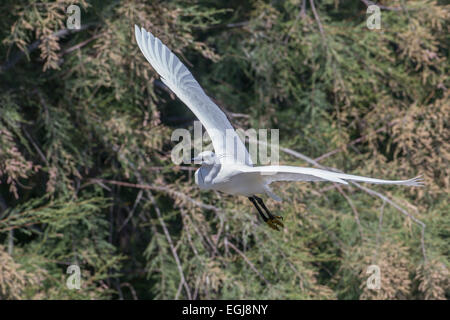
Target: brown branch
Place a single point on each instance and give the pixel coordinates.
(154, 188)
(380, 224)
(399, 208)
(358, 140)
(302, 15)
(129, 286)
(316, 16)
(197, 283)
(188, 233)
(80, 45)
(3, 206)
(203, 237)
(169, 240)
(33, 143)
(371, 3)
(355, 211)
(252, 266)
(291, 265)
(303, 9)
(228, 25)
(58, 34)
(367, 190)
(136, 202)
(147, 189)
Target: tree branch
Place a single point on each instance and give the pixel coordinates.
(371, 3)
(351, 143)
(172, 248)
(252, 266)
(155, 188)
(30, 48)
(316, 16)
(355, 211)
(367, 190)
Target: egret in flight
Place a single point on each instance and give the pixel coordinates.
(231, 170)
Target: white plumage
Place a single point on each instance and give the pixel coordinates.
(177, 77)
(231, 170)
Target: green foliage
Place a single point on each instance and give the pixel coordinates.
(86, 176)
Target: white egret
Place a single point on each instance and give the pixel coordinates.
(230, 170)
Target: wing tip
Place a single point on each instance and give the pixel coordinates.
(137, 33)
(140, 31)
(416, 181)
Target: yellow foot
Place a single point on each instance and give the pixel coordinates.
(275, 222)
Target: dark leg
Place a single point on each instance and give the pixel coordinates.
(273, 220)
(252, 199)
(261, 203)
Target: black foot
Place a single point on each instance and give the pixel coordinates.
(274, 221)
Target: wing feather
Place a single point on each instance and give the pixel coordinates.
(179, 79)
(291, 173)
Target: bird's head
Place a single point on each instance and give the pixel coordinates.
(206, 158)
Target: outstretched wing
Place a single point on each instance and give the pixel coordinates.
(290, 173)
(227, 144)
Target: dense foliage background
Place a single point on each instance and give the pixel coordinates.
(86, 174)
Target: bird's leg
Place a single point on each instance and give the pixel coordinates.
(252, 199)
(273, 221)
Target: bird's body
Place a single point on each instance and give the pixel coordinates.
(231, 170)
(244, 180)
(229, 179)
